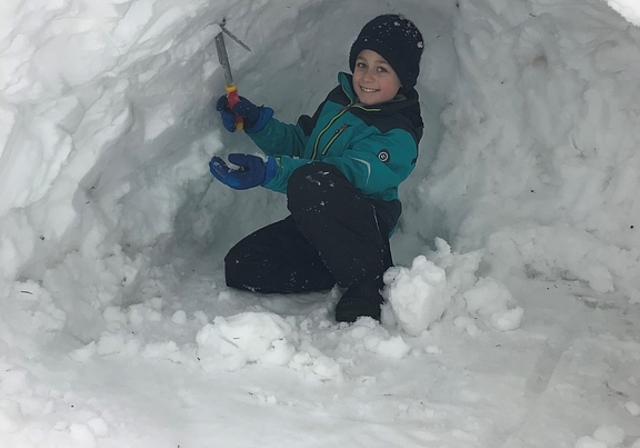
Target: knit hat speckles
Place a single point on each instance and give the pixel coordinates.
(397, 40)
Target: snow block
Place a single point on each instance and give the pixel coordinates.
(489, 300)
(230, 343)
(419, 295)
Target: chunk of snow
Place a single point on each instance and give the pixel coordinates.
(14, 382)
(589, 442)
(246, 337)
(419, 295)
(611, 435)
(99, 427)
(489, 299)
(179, 317)
(394, 348)
(633, 408)
(82, 436)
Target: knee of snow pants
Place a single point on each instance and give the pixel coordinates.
(349, 231)
(276, 259)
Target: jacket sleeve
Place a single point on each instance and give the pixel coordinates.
(280, 139)
(374, 165)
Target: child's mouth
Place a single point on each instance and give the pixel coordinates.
(366, 90)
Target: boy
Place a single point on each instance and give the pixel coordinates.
(340, 170)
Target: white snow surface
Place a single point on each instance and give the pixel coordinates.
(629, 9)
(513, 308)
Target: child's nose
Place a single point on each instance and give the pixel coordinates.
(369, 75)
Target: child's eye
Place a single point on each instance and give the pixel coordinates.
(361, 65)
(382, 69)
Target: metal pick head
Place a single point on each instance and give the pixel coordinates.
(223, 58)
(234, 38)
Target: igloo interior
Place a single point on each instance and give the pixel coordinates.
(116, 323)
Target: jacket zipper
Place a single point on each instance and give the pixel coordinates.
(336, 134)
(314, 153)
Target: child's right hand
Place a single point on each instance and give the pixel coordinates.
(252, 171)
(254, 117)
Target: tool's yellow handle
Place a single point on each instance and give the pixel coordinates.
(234, 98)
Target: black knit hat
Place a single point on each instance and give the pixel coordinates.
(396, 39)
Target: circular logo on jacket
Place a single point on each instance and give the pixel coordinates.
(384, 155)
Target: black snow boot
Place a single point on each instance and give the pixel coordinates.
(361, 299)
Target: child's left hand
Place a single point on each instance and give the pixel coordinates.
(255, 117)
(252, 171)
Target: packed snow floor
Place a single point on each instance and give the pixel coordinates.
(513, 311)
(205, 366)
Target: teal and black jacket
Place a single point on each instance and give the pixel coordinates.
(375, 147)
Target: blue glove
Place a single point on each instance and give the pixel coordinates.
(255, 118)
(252, 172)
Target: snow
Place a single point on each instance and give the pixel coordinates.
(418, 296)
(627, 8)
(512, 309)
(633, 408)
(611, 435)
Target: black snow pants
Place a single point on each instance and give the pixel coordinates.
(333, 235)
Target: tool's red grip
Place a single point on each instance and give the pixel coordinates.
(234, 98)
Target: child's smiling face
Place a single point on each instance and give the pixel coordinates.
(374, 80)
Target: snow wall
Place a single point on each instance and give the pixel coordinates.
(106, 129)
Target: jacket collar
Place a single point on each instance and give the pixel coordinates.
(345, 81)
